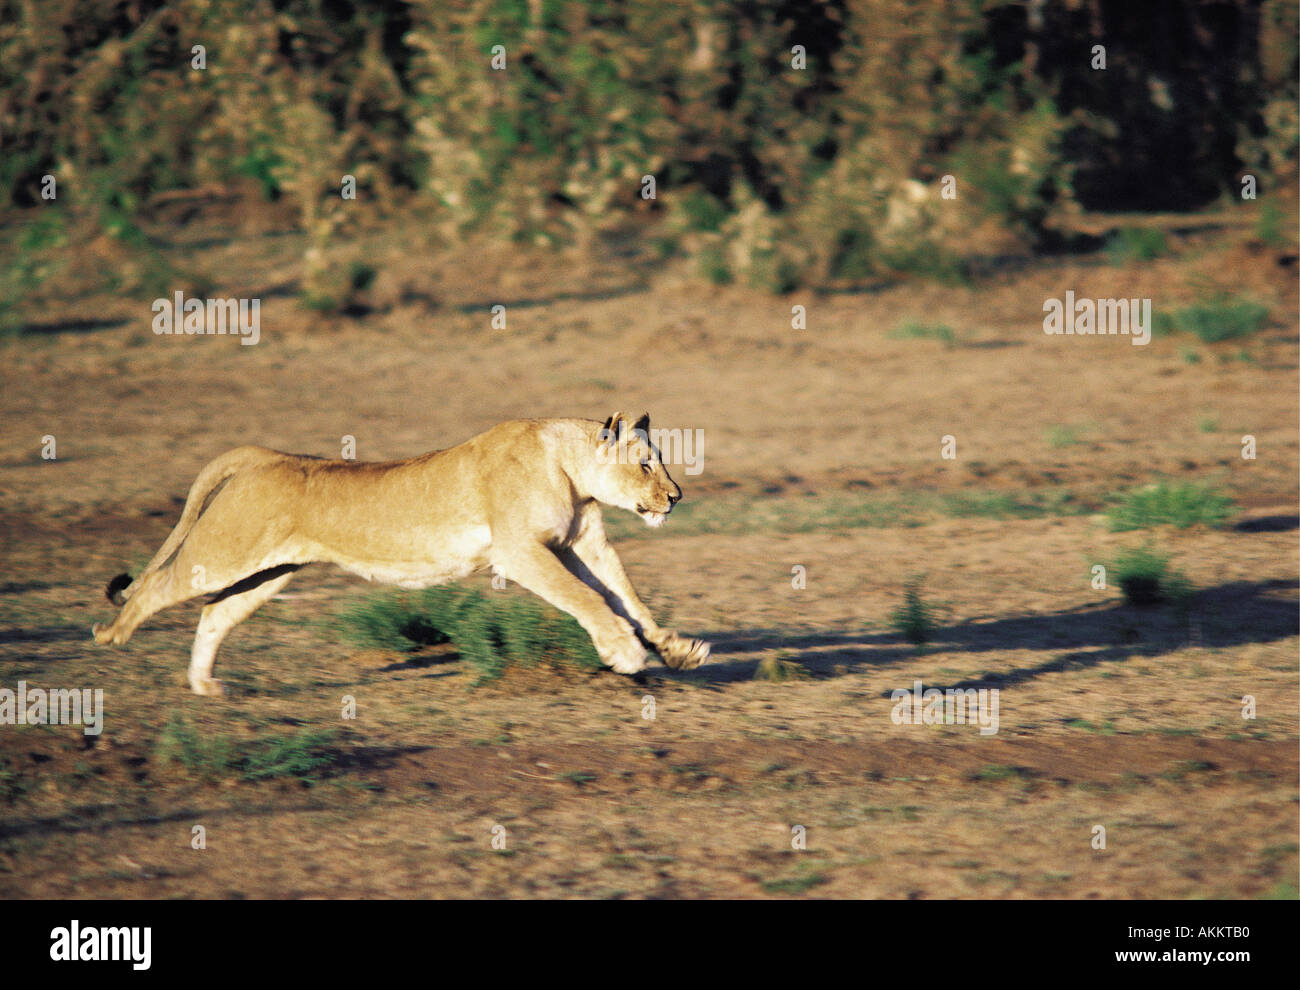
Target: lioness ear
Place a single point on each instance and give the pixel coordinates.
(642, 426)
(613, 429)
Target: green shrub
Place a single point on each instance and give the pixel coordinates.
(392, 622)
(1268, 226)
(893, 95)
(1222, 318)
(406, 99)
(1163, 323)
(913, 330)
(36, 261)
(1136, 244)
(1162, 504)
(703, 211)
(916, 620)
(1144, 577)
(1062, 436)
(490, 632)
(216, 756)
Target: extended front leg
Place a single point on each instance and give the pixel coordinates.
(593, 559)
(536, 568)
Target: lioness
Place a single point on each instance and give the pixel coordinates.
(521, 498)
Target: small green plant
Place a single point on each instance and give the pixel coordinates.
(1136, 244)
(1144, 577)
(361, 276)
(491, 632)
(1283, 890)
(1222, 318)
(262, 164)
(1268, 226)
(1207, 423)
(1189, 355)
(1063, 436)
(39, 257)
(797, 883)
(392, 623)
(703, 211)
(1180, 505)
(297, 756)
(1162, 323)
(218, 756)
(914, 330)
(208, 756)
(916, 620)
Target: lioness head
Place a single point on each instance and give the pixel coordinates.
(630, 472)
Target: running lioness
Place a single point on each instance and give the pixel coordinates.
(522, 498)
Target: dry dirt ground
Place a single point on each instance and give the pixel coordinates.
(821, 451)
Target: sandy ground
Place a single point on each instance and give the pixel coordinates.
(1109, 716)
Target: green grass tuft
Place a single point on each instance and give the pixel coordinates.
(1268, 227)
(490, 631)
(914, 330)
(916, 620)
(798, 883)
(1221, 318)
(1162, 504)
(1063, 436)
(217, 756)
(1136, 244)
(1144, 577)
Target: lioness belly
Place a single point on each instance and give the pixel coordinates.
(454, 555)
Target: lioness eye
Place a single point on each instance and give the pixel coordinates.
(645, 466)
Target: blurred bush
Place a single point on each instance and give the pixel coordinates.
(767, 169)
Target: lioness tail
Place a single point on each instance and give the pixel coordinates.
(114, 589)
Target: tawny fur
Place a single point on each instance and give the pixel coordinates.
(522, 498)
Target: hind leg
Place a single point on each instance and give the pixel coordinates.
(191, 573)
(159, 590)
(218, 618)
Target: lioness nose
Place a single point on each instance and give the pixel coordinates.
(673, 499)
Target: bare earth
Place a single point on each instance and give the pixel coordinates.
(1109, 715)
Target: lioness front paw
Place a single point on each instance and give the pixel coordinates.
(627, 660)
(681, 653)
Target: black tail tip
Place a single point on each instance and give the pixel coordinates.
(115, 588)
